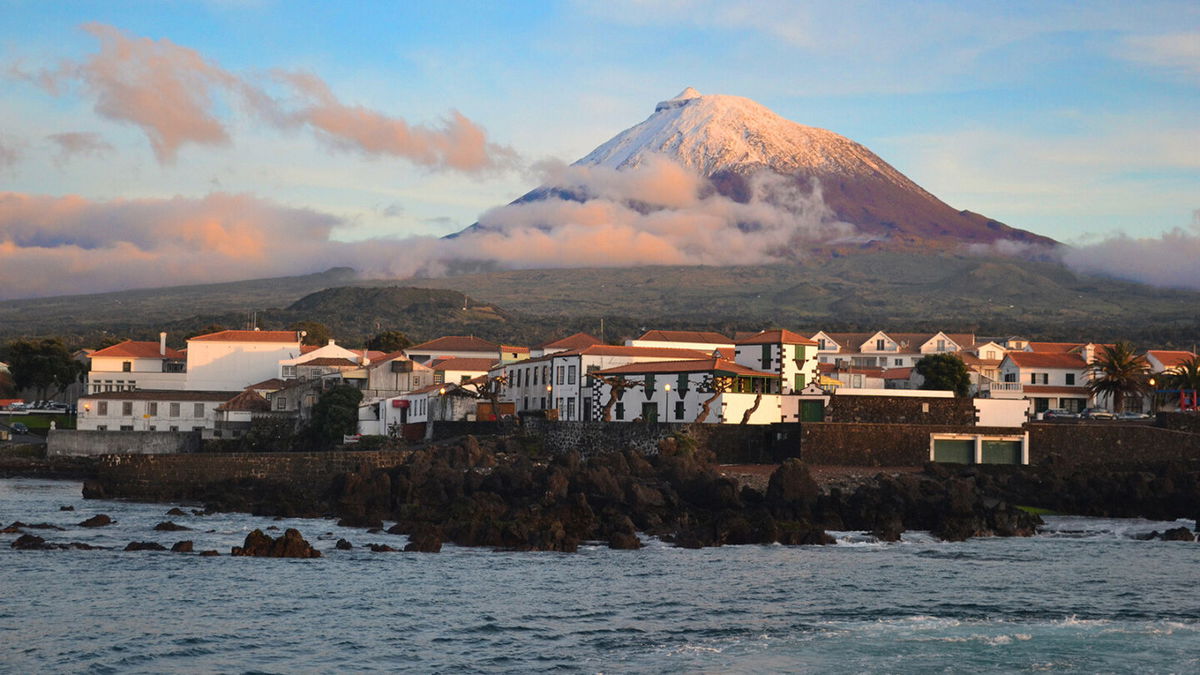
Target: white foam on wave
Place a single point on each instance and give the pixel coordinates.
(1085, 527)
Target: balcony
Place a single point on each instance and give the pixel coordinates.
(992, 389)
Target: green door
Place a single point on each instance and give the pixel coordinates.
(1002, 452)
(650, 413)
(954, 451)
(812, 411)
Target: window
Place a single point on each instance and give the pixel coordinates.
(561, 371)
(152, 408)
(126, 408)
(280, 403)
(173, 411)
(126, 366)
(216, 433)
(102, 408)
(620, 414)
(571, 408)
(558, 405)
(126, 427)
(1033, 378)
(570, 374)
(766, 356)
(289, 371)
(1071, 379)
(101, 427)
(899, 362)
(416, 382)
(542, 402)
(535, 375)
(546, 374)
(152, 428)
(679, 410)
(173, 428)
(821, 344)
(198, 410)
(941, 345)
(463, 379)
(799, 352)
(1010, 377)
(197, 428)
(879, 345)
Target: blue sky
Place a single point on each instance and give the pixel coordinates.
(1074, 120)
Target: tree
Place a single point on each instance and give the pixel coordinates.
(1185, 376)
(1118, 371)
(389, 341)
(334, 415)
(616, 389)
(490, 390)
(45, 366)
(316, 333)
(944, 372)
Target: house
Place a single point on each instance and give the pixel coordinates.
(289, 368)
(711, 390)
(789, 355)
(460, 346)
(1055, 379)
(457, 370)
(852, 377)
(230, 360)
(234, 417)
(131, 365)
(145, 410)
(559, 380)
(393, 374)
(576, 341)
(702, 341)
(887, 349)
(1164, 361)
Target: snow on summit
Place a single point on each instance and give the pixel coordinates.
(715, 132)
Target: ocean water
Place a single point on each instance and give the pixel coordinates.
(1084, 596)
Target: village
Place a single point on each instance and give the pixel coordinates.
(225, 383)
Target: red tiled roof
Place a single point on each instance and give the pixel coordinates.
(1047, 360)
(470, 365)
(162, 395)
(456, 343)
(778, 336)
(701, 336)
(248, 400)
(137, 350)
(854, 370)
(328, 361)
(515, 349)
(910, 342)
(687, 366)
(619, 350)
(897, 374)
(972, 360)
(576, 341)
(1170, 359)
(1055, 347)
(289, 336)
(307, 349)
(273, 384)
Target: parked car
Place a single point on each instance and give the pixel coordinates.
(1097, 414)
(19, 428)
(1059, 414)
(1132, 416)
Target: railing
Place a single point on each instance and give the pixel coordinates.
(1002, 386)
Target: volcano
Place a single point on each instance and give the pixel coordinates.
(729, 140)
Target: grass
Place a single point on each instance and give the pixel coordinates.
(40, 424)
(1037, 511)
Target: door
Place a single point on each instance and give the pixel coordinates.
(1002, 452)
(650, 413)
(954, 451)
(812, 411)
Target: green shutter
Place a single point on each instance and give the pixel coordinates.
(1002, 452)
(954, 451)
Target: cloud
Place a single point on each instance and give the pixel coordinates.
(657, 214)
(178, 97)
(1166, 260)
(79, 143)
(11, 152)
(1173, 51)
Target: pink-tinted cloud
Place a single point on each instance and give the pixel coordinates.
(174, 95)
(1167, 260)
(11, 152)
(80, 144)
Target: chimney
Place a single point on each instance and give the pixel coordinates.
(366, 360)
(162, 344)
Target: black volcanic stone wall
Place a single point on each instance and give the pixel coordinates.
(899, 410)
(1107, 443)
(1189, 422)
(837, 443)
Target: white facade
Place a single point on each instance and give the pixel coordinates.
(152, 411)
(238, 360)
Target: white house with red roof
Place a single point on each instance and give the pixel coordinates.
(701, 341)
(465, 347)
(132, 365)
(576, 341)
(457, 370)
(234, 359)
(789, 355)
(1167, 361)
(1047, 379)
(711, 391)
(887, 349)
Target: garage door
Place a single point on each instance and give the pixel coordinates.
(1002, 452)
(954, 451)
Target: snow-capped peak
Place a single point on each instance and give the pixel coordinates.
(713, 133)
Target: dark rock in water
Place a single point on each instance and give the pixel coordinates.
(375, 530)
(145, 546)
(168, 526)
(888, 528)
(176, 511)
(98, 520)
(184, 546)
(1148, 536)
(803, 534)
(1178, 534)
(272, 527)
(30, 542)
(290, 545)
(398, 528)
(425, 542)
(93, 489)
(343, 545)
(381, 548)
(66, 508)
(209, 554)
(200, 512)
(43, 526)
(624, 541)
(15, 528)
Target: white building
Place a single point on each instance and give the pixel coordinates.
(234, 359)
(888, 349)
(182, 410)
(465, 347)
(460, 370)
(130, 365)
(1045, 379)
(701, 341)
(576, 341)
(789, 355)
(711, 391)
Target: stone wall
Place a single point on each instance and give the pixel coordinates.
(1091, 444)
(1179, 421)
(185, 476)
(899, 410)
(443, 429)
(71, 443)
(732, 443)
(837, 443)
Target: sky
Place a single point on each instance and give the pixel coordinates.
(151, 143)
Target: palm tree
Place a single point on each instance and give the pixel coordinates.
(1118, 372)
(1185, 375)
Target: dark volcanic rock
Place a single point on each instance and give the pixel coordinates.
(381, 548)
(43, 526)
(98, 520)
(425, 542)
(209, 554)
(624, 541)
(168, 526)
(184, 546)
(66, 508)
(30, 542)
(176, 511)
(1178, 534)
(290, 545)
(343, 545)
(145, 546)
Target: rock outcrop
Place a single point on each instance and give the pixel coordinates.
(289, 545)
